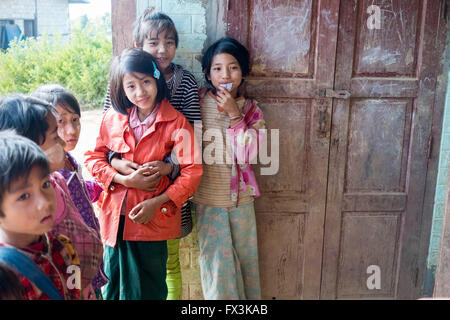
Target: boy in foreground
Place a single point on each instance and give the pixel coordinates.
(27, 209)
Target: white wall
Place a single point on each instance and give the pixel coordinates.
(53, 15)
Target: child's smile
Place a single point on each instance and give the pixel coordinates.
(162, 47)
(141, 90)
(225, 69)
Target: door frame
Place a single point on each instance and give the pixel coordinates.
(435, 140)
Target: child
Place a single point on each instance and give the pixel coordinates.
(33, 118)
(28, 204)
(82, 192)
(10, 284)
(224, 200)
(137, 218)
(155, 33)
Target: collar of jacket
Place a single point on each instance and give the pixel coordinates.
(115, 125)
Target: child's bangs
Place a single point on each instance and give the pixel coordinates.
(132, 65)
(22, 170)
(18, 157)
(66, 106)
(160, 26)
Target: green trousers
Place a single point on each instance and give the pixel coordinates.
(173, 270)
(136, 269)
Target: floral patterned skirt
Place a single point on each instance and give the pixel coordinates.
(228, 252)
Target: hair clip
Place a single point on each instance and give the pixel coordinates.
(156, 73)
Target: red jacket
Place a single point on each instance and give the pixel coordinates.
(54, 255)
(156, 143)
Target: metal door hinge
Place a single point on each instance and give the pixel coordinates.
(337, 94)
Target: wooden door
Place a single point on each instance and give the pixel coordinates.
(123, 15)
(380, 145)
(351, 204)
(292, 48)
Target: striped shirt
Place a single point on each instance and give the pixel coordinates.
(214, 189)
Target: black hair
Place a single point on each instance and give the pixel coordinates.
(56, 94)
(18, 155)
(26, 115)
(230, 46)
(129, 61)
(10, 285)
(150, 20)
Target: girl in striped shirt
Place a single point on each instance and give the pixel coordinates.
(224, 200)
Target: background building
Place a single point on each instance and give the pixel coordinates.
(35, 17)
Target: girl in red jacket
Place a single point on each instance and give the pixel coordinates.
(136, 219)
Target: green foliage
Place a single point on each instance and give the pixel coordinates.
(80, 63)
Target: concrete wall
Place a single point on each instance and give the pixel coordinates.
(439, 264)
(53, 15)
(441, 185)
(189, 17)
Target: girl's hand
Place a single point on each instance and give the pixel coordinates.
(89, 293)
(124, 166)
(164, 169)
(226, 101)
(142, 179)
(144, 211)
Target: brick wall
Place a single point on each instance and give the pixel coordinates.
(53, 15)
(190, 270)
(189, 17)
(17, 9)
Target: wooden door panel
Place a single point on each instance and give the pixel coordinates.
(379, 149)
(272, 20)
(376, 246)
(393, 49)
(292, 46)
(379, 132)
(282, 234)
(292, 145)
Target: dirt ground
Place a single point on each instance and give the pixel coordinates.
(90, 124)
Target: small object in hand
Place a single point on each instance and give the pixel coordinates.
(227, 86)
(163, 209)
